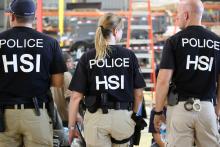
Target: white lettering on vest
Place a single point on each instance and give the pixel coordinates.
(202, 63)
(112, 82)
(201, 43)
(26, 43)
(26, 60)
(118, 62)
(12, 63)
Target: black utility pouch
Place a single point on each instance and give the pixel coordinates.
(172, 98)
(92, 103)
(2, 119)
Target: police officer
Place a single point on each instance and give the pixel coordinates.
(190, 61)
(109, 78)
(30, 63)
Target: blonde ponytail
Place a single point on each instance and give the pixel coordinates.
(107, 23)
(101, 44)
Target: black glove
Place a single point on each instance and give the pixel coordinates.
(140, 125)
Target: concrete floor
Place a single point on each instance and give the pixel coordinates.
(145, 138)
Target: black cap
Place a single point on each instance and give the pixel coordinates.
(22, 7)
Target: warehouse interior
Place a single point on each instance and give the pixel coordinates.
(148, 24)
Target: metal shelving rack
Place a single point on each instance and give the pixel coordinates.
(150, 83)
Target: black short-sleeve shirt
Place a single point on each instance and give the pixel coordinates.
(193, 54)
(27, 60)
(118, 74)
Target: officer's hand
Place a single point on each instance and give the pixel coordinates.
(73, 134)
(157, 122)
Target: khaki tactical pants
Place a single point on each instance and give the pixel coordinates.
(24, 127)
(185, 128)
(99, 128)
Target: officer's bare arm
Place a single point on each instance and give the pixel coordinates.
(74, 107)
(57, 80)
(162, 88)
(138, 95)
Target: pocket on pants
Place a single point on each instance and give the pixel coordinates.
(123, 125)
(86, 117)
(39, 128)
(90, 134)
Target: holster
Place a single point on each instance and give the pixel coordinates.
(91, 103)
(36, 106)
(2, 119)
(172, 97)
(94, 102)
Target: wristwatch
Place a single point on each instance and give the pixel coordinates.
(158, 113)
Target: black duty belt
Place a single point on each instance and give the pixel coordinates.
(25, 106)
(183, 98)
(120, 105)
(105, 102)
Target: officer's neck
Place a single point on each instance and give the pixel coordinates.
(111, 40)
(28, 25)
(194, 22)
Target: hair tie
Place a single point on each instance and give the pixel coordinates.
(105, 32)
(102, 27)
